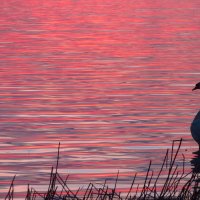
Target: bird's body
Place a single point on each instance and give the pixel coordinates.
(195, 128)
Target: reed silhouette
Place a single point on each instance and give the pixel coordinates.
(170, 182)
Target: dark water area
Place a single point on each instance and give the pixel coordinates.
(110, 80)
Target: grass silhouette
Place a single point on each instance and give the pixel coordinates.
(170, 182)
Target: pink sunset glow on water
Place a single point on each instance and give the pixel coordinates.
(110, 80)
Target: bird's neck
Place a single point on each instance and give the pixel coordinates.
(197, 116)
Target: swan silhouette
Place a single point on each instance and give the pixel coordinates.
(195, 126)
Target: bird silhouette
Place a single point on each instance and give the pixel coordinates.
(195, 126)
(197, 86)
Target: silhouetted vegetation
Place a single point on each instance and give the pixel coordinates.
(170, 182)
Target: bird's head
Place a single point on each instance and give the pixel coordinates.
(197, 86)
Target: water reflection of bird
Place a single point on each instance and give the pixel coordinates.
(195, 162)
(195, 126)
(195, 181)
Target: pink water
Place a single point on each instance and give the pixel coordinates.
(110, 80)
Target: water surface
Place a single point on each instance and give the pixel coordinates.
(110, 80)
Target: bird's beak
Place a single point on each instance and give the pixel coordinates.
(194, 88)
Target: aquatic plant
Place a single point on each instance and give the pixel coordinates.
(170, 182)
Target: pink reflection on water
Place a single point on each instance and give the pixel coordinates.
(105, 79)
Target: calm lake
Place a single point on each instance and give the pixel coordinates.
(111, 80)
